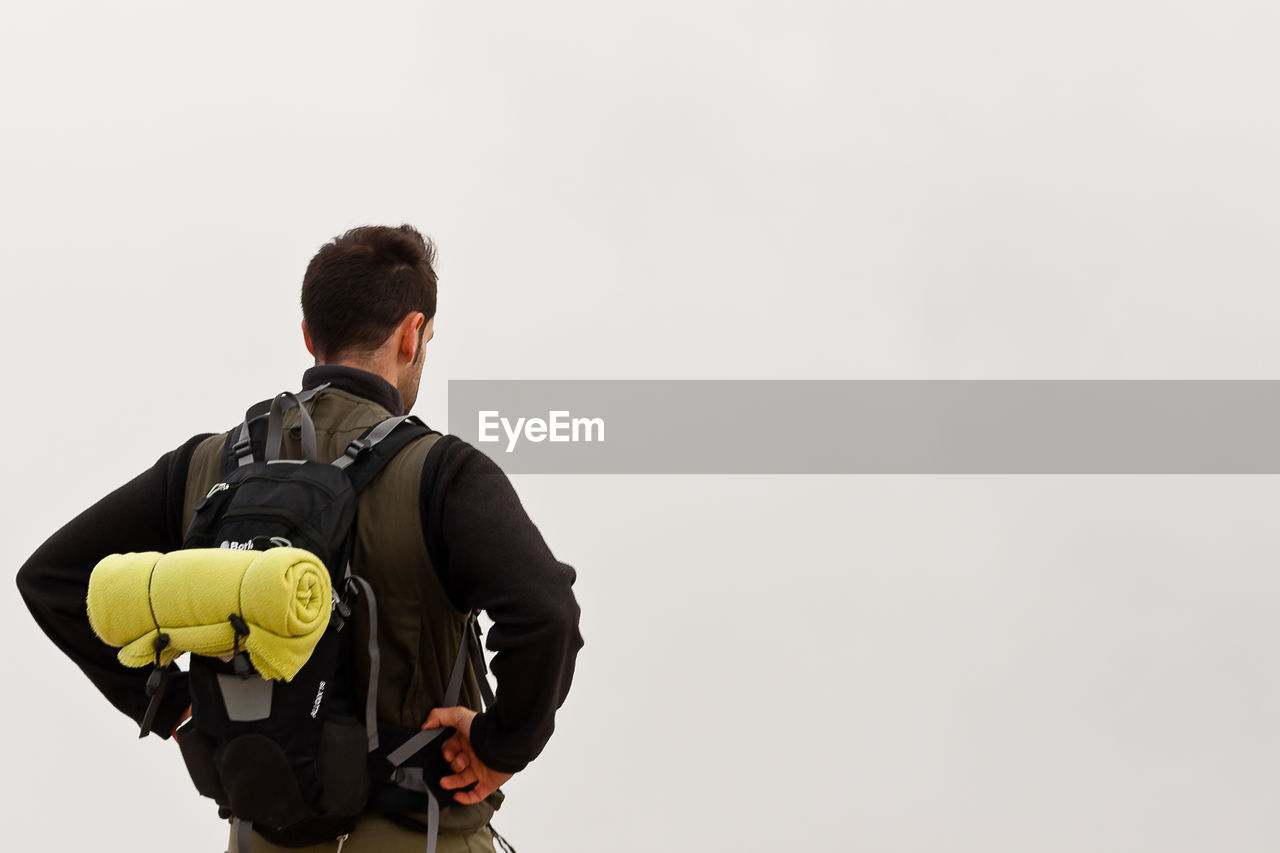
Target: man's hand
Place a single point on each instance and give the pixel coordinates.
(467, 767)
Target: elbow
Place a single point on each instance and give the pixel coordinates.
(548, 617)
(569, 616)
(562, 619)
(27, 581)
(36, 582)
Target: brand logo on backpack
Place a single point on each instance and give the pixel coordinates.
(237, 546)
(315, 709)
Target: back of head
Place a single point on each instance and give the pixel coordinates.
(359, 286)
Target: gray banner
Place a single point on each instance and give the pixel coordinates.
(871, 427)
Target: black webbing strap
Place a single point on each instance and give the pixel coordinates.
(157, 681)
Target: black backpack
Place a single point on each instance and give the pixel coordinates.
(298, 761)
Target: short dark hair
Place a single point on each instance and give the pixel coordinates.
(359, 286)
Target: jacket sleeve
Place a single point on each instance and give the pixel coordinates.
(490, 556)
(145, 514)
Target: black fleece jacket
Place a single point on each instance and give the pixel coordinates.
(486, 551)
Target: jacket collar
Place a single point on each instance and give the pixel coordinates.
(353, 380)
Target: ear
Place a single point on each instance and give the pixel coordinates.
(407, 336)
(306, 337)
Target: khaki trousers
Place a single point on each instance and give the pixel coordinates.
(376, 834)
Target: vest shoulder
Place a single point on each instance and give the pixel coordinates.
(203, 470)
(335, 410)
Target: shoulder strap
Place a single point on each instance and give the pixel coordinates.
(363, 459)
(370, 453)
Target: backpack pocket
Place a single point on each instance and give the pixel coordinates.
(197, 754)
(245, 698)
(260, 785)
(342, 765)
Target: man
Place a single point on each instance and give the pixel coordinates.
(440, 533)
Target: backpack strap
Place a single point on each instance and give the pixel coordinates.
(362, 460)
(275, 428)
(412, 777)
(361, 587)
(417, 742)
(369, 454)
(240, 442)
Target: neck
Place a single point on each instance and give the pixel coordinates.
(359, 381)
(378, 367)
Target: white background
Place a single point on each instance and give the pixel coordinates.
(670, 190)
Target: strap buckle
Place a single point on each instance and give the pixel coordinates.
(356, 447)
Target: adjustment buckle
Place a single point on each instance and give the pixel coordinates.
(356, 447)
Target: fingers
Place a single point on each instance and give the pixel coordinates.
(459, 780)
(455, 717)
(468, 798)
(475, 795)
(490, 781)
(456, 753)
(458, 761)
(453, 746)
(467, 767)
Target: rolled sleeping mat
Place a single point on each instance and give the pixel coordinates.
(284, 596)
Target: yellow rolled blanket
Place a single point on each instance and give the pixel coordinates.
(283, 594)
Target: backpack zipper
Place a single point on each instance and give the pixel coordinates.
(298, 522)
(316, 484)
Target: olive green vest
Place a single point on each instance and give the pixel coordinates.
(418, 628)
